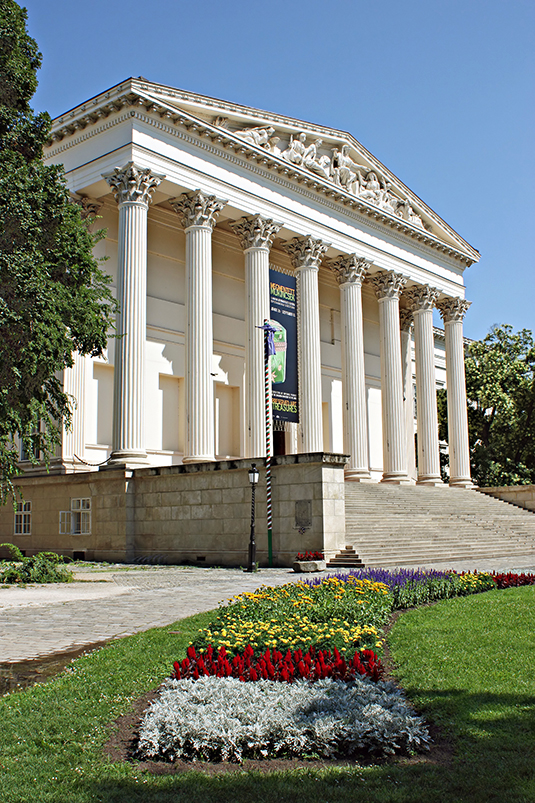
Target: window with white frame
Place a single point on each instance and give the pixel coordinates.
(23, 518)
(77, 520)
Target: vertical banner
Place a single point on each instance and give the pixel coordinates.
(283, 311)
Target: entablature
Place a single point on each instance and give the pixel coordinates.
(373, 192)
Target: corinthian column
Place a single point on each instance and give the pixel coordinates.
(453, 311)
(350, 272)
(132, 187)
(256, 235)
(422, 301)
(306, 254)
(198, 213)
(405, 322)
(388, 288)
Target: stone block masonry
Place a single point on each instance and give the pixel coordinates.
(520, 495)
(196, 512)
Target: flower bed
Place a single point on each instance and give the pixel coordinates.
(510, 580)
(312, 665)
(332, 613)
(410, 587)
(293, 669)
(304, 556)
(222, 719)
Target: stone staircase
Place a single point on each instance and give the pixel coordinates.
(392, 525)
(346, 559)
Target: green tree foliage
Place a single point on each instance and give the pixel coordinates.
(54, 298)
(500, 386)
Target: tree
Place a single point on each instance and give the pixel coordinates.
(54, 298)
(500, 387)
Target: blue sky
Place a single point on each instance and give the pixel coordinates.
(441, 91)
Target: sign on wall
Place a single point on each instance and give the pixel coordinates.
(283, 311)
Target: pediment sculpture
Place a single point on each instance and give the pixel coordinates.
(359, 180)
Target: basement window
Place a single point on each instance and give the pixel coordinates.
(23, 518)
(77, 520)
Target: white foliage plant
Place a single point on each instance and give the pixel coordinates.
(225, 719)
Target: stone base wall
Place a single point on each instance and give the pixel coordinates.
(521, 495)
(198, 512)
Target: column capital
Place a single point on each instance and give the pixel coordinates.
(453, 309)
(349, 268)
(195, 208)
(306, 252)
(388, 284)
(405, 319)
(422, 297)
(89, 207)
(133, 184)
(255, 231)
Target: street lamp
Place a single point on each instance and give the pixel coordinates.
(253, 479)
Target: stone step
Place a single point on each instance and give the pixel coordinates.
(347, 558)
(403, 525)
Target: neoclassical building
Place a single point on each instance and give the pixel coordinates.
(200, 200)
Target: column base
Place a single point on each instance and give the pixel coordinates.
(434, 482)
(397, 479)
(199, 459)
(128, 459)
(357, 475)
(461, 482)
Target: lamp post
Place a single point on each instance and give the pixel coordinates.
(253, 479)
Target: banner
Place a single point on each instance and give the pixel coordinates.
(283, 311)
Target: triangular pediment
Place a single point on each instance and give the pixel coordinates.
(329, 161)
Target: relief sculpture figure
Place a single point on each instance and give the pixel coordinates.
(321, 165)
(355, 178)
(257, 136)
(295, 151)
(346, 172)
(373, 189)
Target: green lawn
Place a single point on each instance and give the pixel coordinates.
(468, 663)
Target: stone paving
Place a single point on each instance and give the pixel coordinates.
(40, 621)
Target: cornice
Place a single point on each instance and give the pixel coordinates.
(85, 119)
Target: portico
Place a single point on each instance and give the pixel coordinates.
(200, 200)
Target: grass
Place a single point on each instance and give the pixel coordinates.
(466, 662)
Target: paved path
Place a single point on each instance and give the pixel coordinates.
(40, 621)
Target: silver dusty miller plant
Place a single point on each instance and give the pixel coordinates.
(223, 719)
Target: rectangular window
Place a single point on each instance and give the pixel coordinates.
(77, 520)
(23, 518)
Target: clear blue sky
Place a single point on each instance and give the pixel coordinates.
(441, 91)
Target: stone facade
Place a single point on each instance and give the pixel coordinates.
(198, 513)
(520, 495)
(199, 198)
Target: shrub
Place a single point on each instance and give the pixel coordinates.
(45, 567)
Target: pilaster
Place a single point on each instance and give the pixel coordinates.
(350, 272)
(198, 213)
(306, 254)
(132, 187)
(74, 384)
